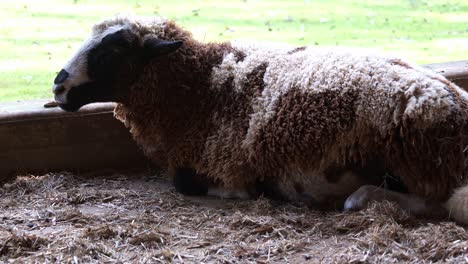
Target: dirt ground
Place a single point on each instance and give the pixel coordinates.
(109, 217)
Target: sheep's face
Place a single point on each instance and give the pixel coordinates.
(105, 66)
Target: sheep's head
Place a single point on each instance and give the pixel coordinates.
(104, 67)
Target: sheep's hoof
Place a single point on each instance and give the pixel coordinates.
(188, 182)
(359, 199)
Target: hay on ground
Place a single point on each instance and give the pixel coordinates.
(62, 217)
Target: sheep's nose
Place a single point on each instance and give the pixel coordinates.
(61, 77)
(58, 89)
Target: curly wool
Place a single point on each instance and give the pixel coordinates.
(238, 112)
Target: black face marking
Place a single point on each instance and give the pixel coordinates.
(188, 182)
(116, 53)
(61, 77)
(86, 93)
(112, 66)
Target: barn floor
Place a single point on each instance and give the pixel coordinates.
(112, 217)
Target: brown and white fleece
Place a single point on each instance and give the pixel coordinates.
(311, 120)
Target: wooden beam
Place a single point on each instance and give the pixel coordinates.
(35, 139)
(38, 139)
(456, 71)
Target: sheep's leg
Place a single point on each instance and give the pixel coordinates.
(410, 203)
(188, 182)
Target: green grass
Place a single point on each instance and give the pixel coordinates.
(38, 36)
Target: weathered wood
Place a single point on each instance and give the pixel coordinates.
(35, 139)
(38, 139)
(34, 109)
(456, 71)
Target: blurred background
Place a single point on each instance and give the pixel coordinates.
(38, 36)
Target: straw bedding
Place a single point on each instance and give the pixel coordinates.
(137, 217)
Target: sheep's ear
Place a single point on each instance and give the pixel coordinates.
(157, 47)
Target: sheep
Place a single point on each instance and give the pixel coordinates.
(237, 119)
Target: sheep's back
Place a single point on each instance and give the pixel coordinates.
(314, 108)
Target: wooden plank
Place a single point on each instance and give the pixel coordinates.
(34, 109)
(38, 139)
(456, 71)
(34, 139)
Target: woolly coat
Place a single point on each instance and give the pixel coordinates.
(239, 112)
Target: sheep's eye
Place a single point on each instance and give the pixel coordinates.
(102, 63)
